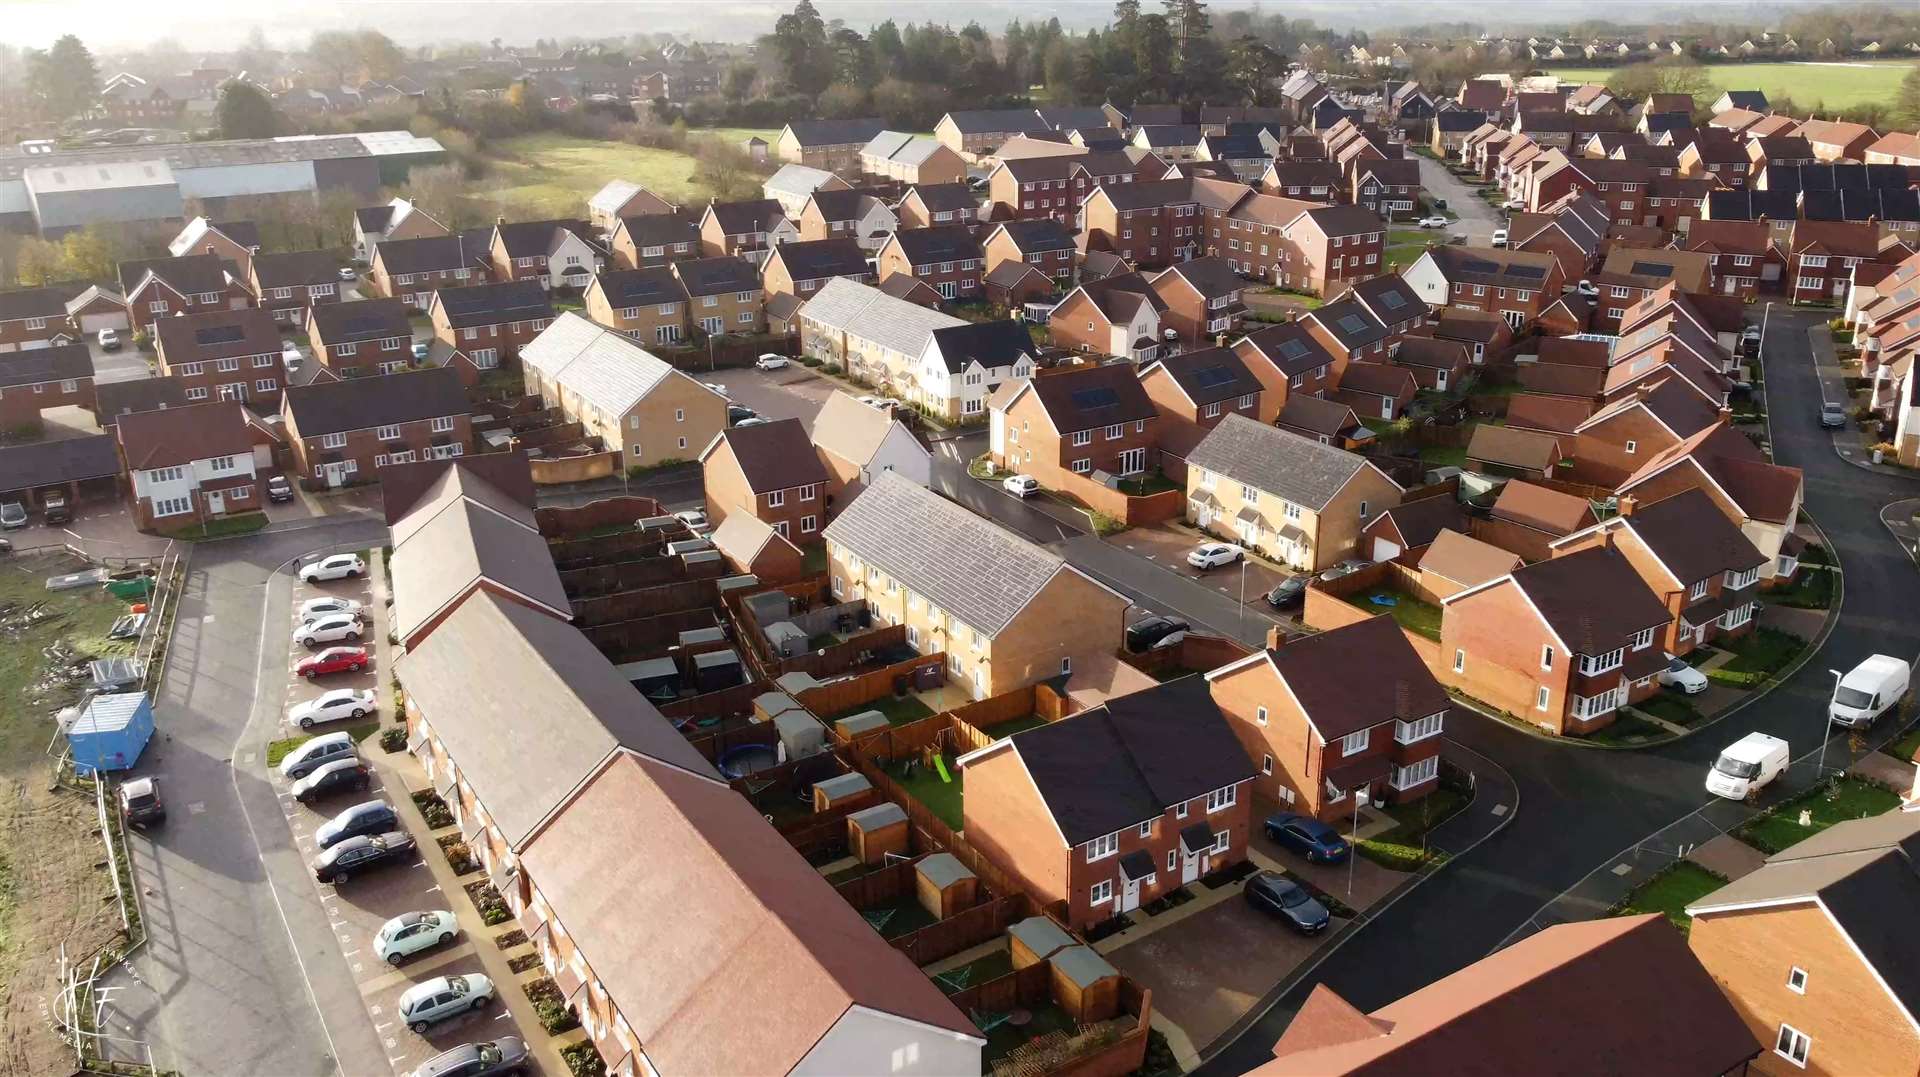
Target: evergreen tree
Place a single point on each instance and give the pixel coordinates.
(245, 111)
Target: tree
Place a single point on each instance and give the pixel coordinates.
(379, 57)
(63, 81)
(337, 52)
(245, 111)
(1906, 100)
(799, 40)
(842, 102)
(1638, 82)
(88, 254)
(738, 83)
(37, 262)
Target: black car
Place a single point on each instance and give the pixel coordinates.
(372, 817)
(508, 1054)
(1144, 633)
(1277, 895)
(1307, 836)
(360, 854)
(338, 776)
(737, 414)
(1289, 592)
(140, 803)
(279, 489)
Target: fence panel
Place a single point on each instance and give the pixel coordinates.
(643, 602)
(889, 884)
(646, 637)
(562, 522)
(982, 923)
(844, 695)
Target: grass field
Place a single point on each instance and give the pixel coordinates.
(1835, 85)
(554, 174)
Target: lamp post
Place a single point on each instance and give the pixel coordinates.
(1826, 729)
(1243, 592)
(1353, 841)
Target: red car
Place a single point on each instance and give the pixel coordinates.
(333, 660)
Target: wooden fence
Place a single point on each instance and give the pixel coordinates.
(714, 746)
(1022, 989)
(837, 658)
(982, 923)
(642, 572)
(646, 637)
(736, 700)
(843, 695)
(644, 602)
(539, 437)
(558, 522)
(606, 549)
(887, 885)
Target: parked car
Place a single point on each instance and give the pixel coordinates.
(442, 997)
(333, 706)
(1277, 895)
(755, 421)
(290, 356)
(13, 515)
(1344, 568)
(411, 932)
(880, 402)
(1214, 554)
(333, 660)
(330, 629)
(695, 520)
(1747, 765)
(1144, 634)
(366, 817)
(1833, 414)
(718, 388)
(1288, 592)
(325, 748)
(363, 853)
(347, 275)
(770, 361)
(279, 489)
(1868, 691)
(508, 1054)
(420, 350)
(1512, 204)
(140, 803)
(1499, 237)
(1434, 222)
(328, 605)
(337, 567)
(6, 547)
(109, 340)
(328, 779)
(54, 507)
(1750, 342)
(1588, 289)
(1021, 486)
(1682, 676)
(737, 414)
(1311, 838)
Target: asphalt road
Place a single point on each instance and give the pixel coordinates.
(1582, 807)
(1477, 218)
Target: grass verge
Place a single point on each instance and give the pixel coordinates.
(245, 523)
(1904, 746)
(1669, 891)
(279, 749)
(1837, 801)
(1403, 848)
(1756, 657)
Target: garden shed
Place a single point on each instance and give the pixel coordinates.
(874, 832)
(770, 705)
(841, 790)
(945, 886)
(110, 732)
(1085, 985)
(715, 670)
(1036, 939)
(801, 734)
(657, 678)
(864, 722)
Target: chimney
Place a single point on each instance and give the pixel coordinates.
(498, 221)
(1725, 417)
(1626, 506)
(1276, 638)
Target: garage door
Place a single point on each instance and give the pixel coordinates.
(1384, 550)
(93, 323)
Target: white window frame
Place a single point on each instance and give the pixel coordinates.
(1793, 1038)
(1103, 846)
(1223, 798)
(1100, 893)
(1355, 743)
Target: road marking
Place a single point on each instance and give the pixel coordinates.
(1623, 869)
(502, 1016)
(1500, 809)
(197, 807)
(434, 889)
(207, 620)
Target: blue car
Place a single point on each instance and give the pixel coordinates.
(1308, 836)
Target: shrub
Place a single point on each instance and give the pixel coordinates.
(433, 808)
(810, 361)
(552, 1010)
(459, 855)
(583, 1060)
(507, 940)
(830, 368)
(393, 739)
(1106, 524)
(492, 907)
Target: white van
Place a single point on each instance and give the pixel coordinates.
(1748, 764)
(1874, 686)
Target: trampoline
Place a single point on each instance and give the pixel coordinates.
(747, 759)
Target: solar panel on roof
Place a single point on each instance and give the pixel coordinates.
(1090, 399)
(1479, 265)
(1393, 300)
(1526, 272)
(1352, 323)
(1212, 376)
(1651, 269)
(1292, 349)
(219, 334)
(363, 325)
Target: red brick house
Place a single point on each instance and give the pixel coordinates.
(1741, 256)
(287, 284)
(411, 270)
(1076, 421)
(192, 284)
(503, 315)
(188, 465)
(1631, 274)
(927, 205)
(1046, 245)
(1821, 256)
(224, 355)
(39, 378)
(1348, 330)
(946, 258)
(1116, 315)
(1201, 298)
(1192, 392)
(33, 318)
(1390, 188)
(1516, 285)
(342, 432)
(1436, 364)
(235, 241)
(1617, 440)
(1150, 224)
(371, 336)
(1114, 807)
(771, 472)
(1289, 361)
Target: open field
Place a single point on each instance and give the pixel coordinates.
(553, 174)
(1835, 85)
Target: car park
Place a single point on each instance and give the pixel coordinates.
(413, 932)
(13, 515)
(695, 520)
(339, 566)
(334, 706)
(109, 340)
(1214, 554)
(366, 817)
(770, 361)
(333, 660)
(329, 629)
(331, 779)
(1434, 222)
(508, 1054)
(435, 1000)
(314, 609)
(279, 489)
(1146, 633)
(1343, 568)
(360, 854)
(1833, 414)
(1022, 486)
(1288, 592)
(1317, 841)
(1277, 895)
(1678, 674)
(325, 748)
(140, 803)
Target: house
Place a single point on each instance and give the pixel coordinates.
(464, 536)
(1013, 284)
(639, 406)
(792, 185)
(1114, 315)
(191, 284)
(1350, 332)
(1404, 531)
(858, 442)
(1527, 517)
(1008, 613)
(946, 257)
(830, 145)
(912, 290)
(39, 378)
(1332, 248)
(342, 432)
(1377, 390)
(224, 355)
(769, 471)
(1894, 148)
(646, 304)
(1560, 643)
(962, 366)
(1150, 224)
(1742, 258)
(1290, 362)
(928, 204)
(1559, 416)
(479, 318)
(1631, 274)
(1289, 497)
(974, 133)
(288, 284)
(873, 335)
(723, 295)
(1751, 100)
(1837, 140)
(732, 229)
(1327, 421)
(1192, 392)
(1516, 285)
(658, 239)
(904, 158)
(1312, 181)
(753, 548)
(1435, 364)
(1169, 141)
(1804, 950)
(554, 254)
(1617, 440)
(1045, 245)
(1144, 794)
(803, 267)
(1451, 126)
(856, 214)
(1571, 230)
(1084, 420)
(188, 465)
(1390, 188)
(232, 241)
(1821, 256)
(1762, 497)
(1339, 713)
(1457, 561)
(1241, 153)
(620, 199)
(117, 398)
(94, 309)
(367, 336)
(1506, 1003)
(398, 219)
(1200, 299)
(1691, 556)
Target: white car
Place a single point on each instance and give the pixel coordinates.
(880, 402)
(315, 608)
(1682, 676)
(333, 628)
(339, 566)
(1513, 204)
(1588, 289)
(335, 705)
(717, 388)
(695, 520)
(435, 1000)
(1499, 237)
(770, 361)
(1020, 485)
(1434, 222)
(411, 932)
(1214, 554)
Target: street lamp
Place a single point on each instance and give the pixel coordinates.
(1826, 728)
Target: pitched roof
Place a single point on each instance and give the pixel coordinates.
(947, 197)
(835, 132)
(1349, 323)
(849, 429)
(1677, 408)
(1525, 449)
(716, 276)
(364, 403)
(1280, 462)
(605, 368)
(1289, 347)
(865, 311)
(993, 344)
(433, 254)
(44, 463)
(967, 565)
(1208, 375)
(172, 436)
(1390, 298)
(18, 303)
(1551, 414)
(218, 334)
(1419, 521)
(1592, 599)
(1430, 352)
(295, 269)
(32, 366)
(1082, 398)
(1542, 508)
(364, 319)
(189, 274)
(1316, 415)
(801, 180)
(491, 304)
(1132, 758)
(643, 287)
(942, 243)
(1211, 275)
(1467, 561)
(452, 543)
(817, 258)
(502, 481)
(661, 230)
(1503, 268)
(1762, 490)
(1357, 677)
(997, 120)
(1036, 236)
(1692, 537)
(115, 398)
(752, 214)
(531, 238)
(773, 456)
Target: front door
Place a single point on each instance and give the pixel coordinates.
(1189, 866)
(1440, 380)
(1129, 895)
(1386, 407)
(216, 502)
(336, 474)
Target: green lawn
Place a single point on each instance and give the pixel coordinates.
(223, 527)
(1834, 85)
(1627, 729)
(1142, 485)
(1406, 244)
(1812, 589)
(1904, 747)
(1444, 455)
(978, 971)
(1765, 651)
(555, 174)
(1671, 707)
(1421, 618)
(278, 749)
(1848, 798)
(944, 798)
(734, 135)
(1670, 891)
(1401, 848)
(899, 710)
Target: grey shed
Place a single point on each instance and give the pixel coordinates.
(943, 870)
(1082, 966)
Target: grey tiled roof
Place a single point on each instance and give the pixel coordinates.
(1278, 462)
(870, 314)
(967, 565)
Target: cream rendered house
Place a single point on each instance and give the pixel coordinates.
(642, 407)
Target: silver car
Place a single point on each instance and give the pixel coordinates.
(435, 1000)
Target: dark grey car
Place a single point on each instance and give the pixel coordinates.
(1277, 895)
(508, 1054)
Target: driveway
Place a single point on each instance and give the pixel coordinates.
(1477, 218)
